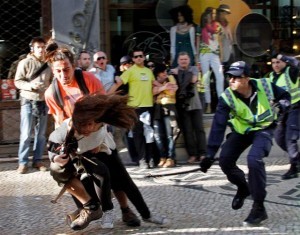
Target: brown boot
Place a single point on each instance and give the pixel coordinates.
(169, 163)
(22, 169)
(130, 218)
(85, 217)
(162, 162)
(40, 166)
(72, 216)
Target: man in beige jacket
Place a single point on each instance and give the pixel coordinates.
(32, 79)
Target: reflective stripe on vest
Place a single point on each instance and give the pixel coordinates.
(242, 119)
(284, 81)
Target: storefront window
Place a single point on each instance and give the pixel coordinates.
(137, 27)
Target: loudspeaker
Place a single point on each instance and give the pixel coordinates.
(254, 35)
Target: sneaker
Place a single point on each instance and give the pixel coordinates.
(291, 173)
(40, 166)
(85, 217)
(22, 169)
(257, 215)
(157, 219)
(130, 218)
(72, 216)
(162, 162)
(143, 164)
(107, 220)
(152, 164)
(169, 163)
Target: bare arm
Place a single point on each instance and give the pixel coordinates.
(158, 87)
(115, 87)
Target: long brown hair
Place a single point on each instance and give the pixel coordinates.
(54, 52)
(110, 109)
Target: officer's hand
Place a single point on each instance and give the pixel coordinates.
(61, 160)
(276, 107)
(206, 163)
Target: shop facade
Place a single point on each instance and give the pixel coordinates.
(116, 26)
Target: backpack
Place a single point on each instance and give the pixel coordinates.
(57, 94)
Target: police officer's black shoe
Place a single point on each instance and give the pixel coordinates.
(257, 215)
(291, 173)
(238, 200)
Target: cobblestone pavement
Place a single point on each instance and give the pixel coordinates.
(195, 203)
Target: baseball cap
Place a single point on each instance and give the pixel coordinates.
(125, 59)
(224, 7)
(238, 69)
(290, 60)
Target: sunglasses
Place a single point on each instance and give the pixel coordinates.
(235, 77)
(101, 58)
(137, 56)
(150, 66)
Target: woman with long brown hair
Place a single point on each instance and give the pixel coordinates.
(92, 113)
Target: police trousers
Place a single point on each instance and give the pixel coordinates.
(287, 134)
(235, 144)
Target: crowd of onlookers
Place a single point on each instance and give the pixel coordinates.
(154, 102)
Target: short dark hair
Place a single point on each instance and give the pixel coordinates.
(159, 68)
(183, 53)
(82, 52)
(37, 40)
(136, 49)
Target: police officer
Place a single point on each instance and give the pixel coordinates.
(248, 106)
(286, 75)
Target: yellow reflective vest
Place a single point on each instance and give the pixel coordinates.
(284, 81)
(242, 120)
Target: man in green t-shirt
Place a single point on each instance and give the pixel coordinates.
(139, 79)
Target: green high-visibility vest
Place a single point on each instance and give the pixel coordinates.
(284, 81)
(242, 120)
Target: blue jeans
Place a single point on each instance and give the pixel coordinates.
(40, 125)
(164, 136)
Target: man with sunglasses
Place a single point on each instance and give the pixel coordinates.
(139, 79)
(250, 107)
(286, 75)
(102, 70)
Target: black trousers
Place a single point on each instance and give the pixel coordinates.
(97, 184)
(121, 181)
(191, 124)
